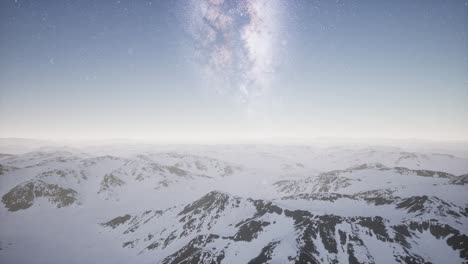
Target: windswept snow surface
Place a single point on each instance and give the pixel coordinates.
(143, 203)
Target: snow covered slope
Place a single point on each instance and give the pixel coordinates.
(233, 204)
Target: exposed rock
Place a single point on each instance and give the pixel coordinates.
(119, 220)
(109, 181)
(194, 252)
(23, 195)
(265, 254)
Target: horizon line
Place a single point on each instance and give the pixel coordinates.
(284, 140)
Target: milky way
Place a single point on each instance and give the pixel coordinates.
(237, 44)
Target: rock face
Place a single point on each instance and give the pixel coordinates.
(337, 180)
(23, 195)
(109, 181)
(460, 180)
(4, 169)
(117, 221)
(234, 204)
(211, 228)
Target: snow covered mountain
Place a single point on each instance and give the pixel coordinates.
(233, 204)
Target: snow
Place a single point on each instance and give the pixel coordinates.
(73, 233)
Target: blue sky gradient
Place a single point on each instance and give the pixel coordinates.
(133, 69)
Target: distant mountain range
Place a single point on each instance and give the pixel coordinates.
(233, 204)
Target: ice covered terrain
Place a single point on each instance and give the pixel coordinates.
(144, 203)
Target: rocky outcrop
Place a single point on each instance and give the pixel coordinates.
(24, 195)
(318, 238)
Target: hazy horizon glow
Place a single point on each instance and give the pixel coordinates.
(214, 70)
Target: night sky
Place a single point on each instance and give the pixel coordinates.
(232, 70)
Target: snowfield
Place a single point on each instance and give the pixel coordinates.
(146, 203)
